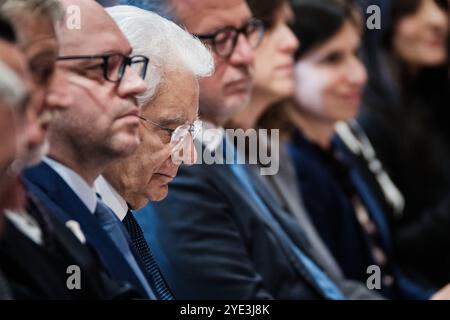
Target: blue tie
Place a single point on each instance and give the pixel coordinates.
(142, 247)
(322, 281)
(114, 228)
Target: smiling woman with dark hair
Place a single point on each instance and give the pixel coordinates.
(405, 114)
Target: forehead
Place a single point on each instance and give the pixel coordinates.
(204, 16)
(176, 98)
(98, 33)
(37, 35)
(346, 39)
(13, 57)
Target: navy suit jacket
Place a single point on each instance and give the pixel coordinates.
(211, 242)
(61, 201)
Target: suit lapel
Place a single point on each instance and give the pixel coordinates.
(59, 196)
(30, 264)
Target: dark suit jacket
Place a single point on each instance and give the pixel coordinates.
(65, 205)
(325, 185)
(285, 187)
(40, 272)
(411, 138)
(211, 243)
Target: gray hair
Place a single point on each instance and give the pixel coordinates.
(167, 46)
(12, 90)
(49, 8)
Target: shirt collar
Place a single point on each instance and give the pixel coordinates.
(84, 191)
(111, 197)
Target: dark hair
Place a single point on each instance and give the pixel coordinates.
(316, 21)
(388, 74)
(400, 9)
(7, 32)
(266, 10)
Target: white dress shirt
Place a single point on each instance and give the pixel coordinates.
(82, 189)
(111, 197)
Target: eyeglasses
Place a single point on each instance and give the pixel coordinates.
(224, 41)
(179, 134)
(114, 64)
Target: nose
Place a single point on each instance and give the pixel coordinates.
(58, 95)
(357, 74)
(34, 134)
(242, 53)
(185, 152)
(435, 15)
(131, 84)
(288, 42)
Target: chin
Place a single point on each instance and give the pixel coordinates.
(283, 91)
(159, 194)
(127, 146)
(36, 154)
(237, 103)
(434, 60)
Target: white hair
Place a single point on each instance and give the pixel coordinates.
(167, 46)
(12, 89)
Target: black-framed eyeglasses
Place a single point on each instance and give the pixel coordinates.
(115, 64)
(224, 40)
(180, 133)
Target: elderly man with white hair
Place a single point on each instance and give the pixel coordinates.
(169, 122)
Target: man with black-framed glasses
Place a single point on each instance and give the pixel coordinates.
(97, 125)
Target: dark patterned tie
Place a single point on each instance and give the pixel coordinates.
(137, 236)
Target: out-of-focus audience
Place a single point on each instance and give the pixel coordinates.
(341, 194)
(404, 113)
(108, 129)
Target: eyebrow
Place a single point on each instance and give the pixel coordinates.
(224, 27)
(178, 120)
(172, 121)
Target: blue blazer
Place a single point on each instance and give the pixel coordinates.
(61, 201)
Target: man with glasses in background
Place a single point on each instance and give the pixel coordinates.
(168, 123)
(97, 125)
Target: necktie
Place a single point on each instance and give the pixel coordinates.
(114, 228)
(137, 236)
(322, 281)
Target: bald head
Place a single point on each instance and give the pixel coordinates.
(97, 29)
